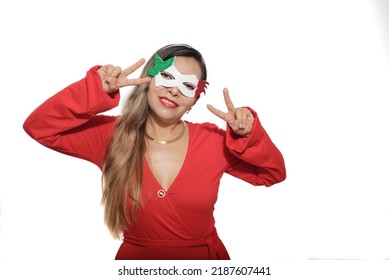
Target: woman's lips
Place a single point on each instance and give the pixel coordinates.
(168, 103)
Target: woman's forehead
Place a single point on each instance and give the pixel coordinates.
(188, 66)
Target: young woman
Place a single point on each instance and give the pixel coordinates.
(160, 175)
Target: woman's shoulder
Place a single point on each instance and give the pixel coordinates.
(205, 128)
(207, 138)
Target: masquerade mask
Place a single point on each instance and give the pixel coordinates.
(167, 75)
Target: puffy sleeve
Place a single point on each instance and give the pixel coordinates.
(69, 122)
(255, 159)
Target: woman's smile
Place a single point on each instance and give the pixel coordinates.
(168, 102)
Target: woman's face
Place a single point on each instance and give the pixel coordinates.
(168, 103)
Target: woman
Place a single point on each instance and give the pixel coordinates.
(160, 175)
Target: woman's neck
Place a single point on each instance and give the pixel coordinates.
(163, 129)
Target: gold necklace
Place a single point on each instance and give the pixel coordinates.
(171, 140)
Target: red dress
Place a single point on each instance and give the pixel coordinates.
(178, 223)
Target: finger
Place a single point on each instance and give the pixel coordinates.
(133, 67)
(216, 112)
(239, 118)
(240, 129)
(235, 125)
(139, 81)
(112, 83)
(115, 72)
(108, 69)
(227, 99)
(104, 70)
(246, 115)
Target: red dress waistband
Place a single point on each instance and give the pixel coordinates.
(211, 242)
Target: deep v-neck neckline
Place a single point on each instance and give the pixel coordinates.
(159, 186)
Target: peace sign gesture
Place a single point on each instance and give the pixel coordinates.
(113, 77)
(240, 119)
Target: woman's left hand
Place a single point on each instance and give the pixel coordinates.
(240, 119)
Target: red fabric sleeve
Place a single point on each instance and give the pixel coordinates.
(68, 122)
(256, 159)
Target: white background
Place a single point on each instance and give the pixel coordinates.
(317, 73)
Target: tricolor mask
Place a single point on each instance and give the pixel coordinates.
(167, 75)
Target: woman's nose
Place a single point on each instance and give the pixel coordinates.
(174, 91)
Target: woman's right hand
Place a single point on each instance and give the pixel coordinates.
(113, 77)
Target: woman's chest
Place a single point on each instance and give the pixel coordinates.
(165, 161)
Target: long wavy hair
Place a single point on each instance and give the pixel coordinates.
(123, 164)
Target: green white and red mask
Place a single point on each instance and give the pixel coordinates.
(167, 75)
